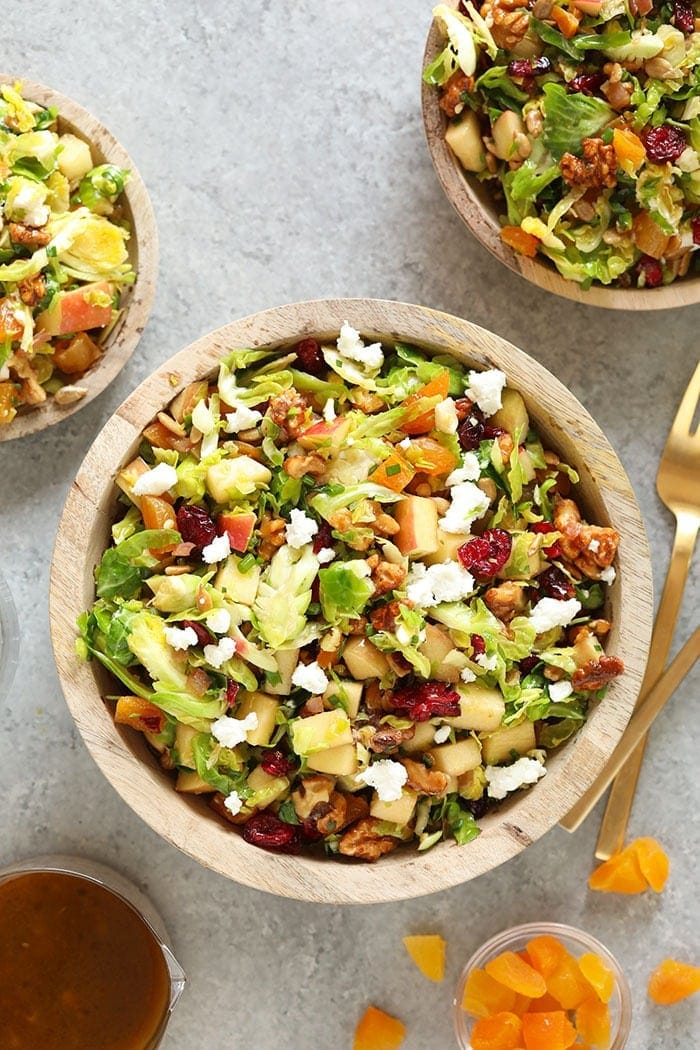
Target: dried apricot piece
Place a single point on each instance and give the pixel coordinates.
(428, 953)
(672, 981)
(510, 970)
(483, 996)
(546, 953)
(598, 974)
(378, 1031)
(567, 984)
(620, 874)
(653, 862)
(501, 1032)
(593, 1023)
(548, 1031)
(545, 1004)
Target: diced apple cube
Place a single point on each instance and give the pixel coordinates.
(266, 789)
(512, 415)
(350, 692)
(76, 311)
(455, 759)
(363, 660)
(326, 434)
(190, 783)
(233, 479)
(499, 746)
(422, 739)
(183, 745)
(266, 708)
(417, 518)
(398, 812)
(74, 158)
(482, 708)
(320, 732)
(586, 647)
(236, 586)
(448, 545)
(239, 528)
(287, 660)
(338, 761)
(436, 646)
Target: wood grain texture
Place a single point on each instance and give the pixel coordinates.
(474, 203)
(143, 255)
(186, 822)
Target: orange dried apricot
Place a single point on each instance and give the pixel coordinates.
(501, 1032)
(598, 974)
(653, 862)
(483, 996)
(548, 1031)
(510, 970)
(545, 1004)
(546, 953)
(521, 242)
(567, 984)
(672, 981)
(428, 953)
(593, 1023)
(620, 874)
(378, 1031)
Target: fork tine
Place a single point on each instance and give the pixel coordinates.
(688, 406)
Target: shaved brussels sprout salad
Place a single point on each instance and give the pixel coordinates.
(584, 118)
(63, 257)
(351, 597)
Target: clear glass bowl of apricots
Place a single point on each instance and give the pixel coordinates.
(542, 986)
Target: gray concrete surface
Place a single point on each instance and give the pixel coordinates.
(283, 149)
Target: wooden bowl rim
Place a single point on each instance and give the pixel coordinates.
(143, 248)
(141, 783)
(482, 221)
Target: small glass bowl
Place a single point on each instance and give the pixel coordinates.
(9, 639)
(576, 942)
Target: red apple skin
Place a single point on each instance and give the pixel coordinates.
(332, 432)
(589, 7)
(239, 528)
(71, 312)
(417, 518)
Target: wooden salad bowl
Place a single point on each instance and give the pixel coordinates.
(143, 255)
(187, 821)
(475, 204)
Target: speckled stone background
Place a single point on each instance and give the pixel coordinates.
(283, 148)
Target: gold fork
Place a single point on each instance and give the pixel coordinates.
(678, 485)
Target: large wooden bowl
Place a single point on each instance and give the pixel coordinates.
(187, 822)
(474, 203)
(143, 255)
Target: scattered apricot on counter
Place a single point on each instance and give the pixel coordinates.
(653, 862)
(378, 1031)
(428, 953)
(634, 869)
(672, 981)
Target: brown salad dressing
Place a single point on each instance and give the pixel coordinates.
(79, 968)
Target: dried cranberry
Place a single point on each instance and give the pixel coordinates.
(427, 700)
(587, 83)
(695, 226)
(683, 17)
(529, 67)
(486, 555)
(528, 664)
(310, 357)
(309, 831)
(152, 723)
(664, 143)
(231, 692)
(650, 272)
(478, 645)
(195, 525)
(266, 831)
(553, 551)
(554, 584)
(475, 429)
(323, 538)
(478, 807)
(204, 636)
(276, 763)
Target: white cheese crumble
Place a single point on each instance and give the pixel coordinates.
(446, 417)
(467, 675)
(442, 733)
(325, 555)
(559, 691)
(468, 504)
(351, 346)
(28, 208)
(230, 732)
(405, 443)
(386, 777)
(300, 530)
(218, 654)
(329, 410)
(155, 482)
(445, 582)
(233, 803)
(242, 418)
(594, 546)
(217, 550)
(550, 613)
(218, 621)
(608, 575)
(489, 663)
(180, 637)
(504, 779)
(310, 677)
(469, 471)
(486, 388)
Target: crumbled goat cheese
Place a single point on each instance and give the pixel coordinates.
(467, 675)
(559, 691)
(329, 410)
(301, 529)
(325, 555)
(242, 418)
(446, 417)
(218, 654)
(406, 443)
(549, 613)
(486, 388)
(608, 575)
(180, 637)
(468, 504)
(155, 482)
(504, 779)
(489, 663)
(230, 732)
(233, 803)
(442, 733)
(594, 546)
(217, 550)
(446, 582)
(386, 777)
(469, 471)
(310, 677)
(218, 621)
(350, 345)
(27, 207)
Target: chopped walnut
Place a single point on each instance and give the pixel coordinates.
(506, 600)
(590, 547)
(597, 167)
(32, 236)
(376, 699)
(508, 21)
(363, 841)
(387, 577)
(217, 804)
(451, 99)
(386, 740)
(297, 466)
(385, 525)
(313, 706)
(310, 793)
(423, 780)
(32, 289)
(534, 121)
(618, 94)
(32, 392)
(367, 401)
(290, 411)
(597, 673)
(384, 618)
(272, 533)
(505, 444)
(330, 816)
